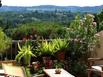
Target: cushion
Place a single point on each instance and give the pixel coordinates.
(97, 68)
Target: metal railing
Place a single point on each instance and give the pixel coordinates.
(10, 53)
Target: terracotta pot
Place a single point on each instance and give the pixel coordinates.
(61, 56)
(47, 62)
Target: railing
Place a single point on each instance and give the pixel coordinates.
(12, 51)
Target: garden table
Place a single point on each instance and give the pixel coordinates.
(51, 73)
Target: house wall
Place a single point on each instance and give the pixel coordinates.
(99, 48)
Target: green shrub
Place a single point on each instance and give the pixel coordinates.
(82, 35)
(5, 41)
(44, 30)
(83, 40)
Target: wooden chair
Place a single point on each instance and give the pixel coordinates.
(9, 62)
(15, 71)
(98, 69)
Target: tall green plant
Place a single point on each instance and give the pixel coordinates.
(5, 41)
(25, 52)
(82, 34)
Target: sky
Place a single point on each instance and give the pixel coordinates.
(52, 2)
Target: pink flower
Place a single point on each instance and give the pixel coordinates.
(94, 24)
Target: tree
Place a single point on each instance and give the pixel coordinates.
(0, 3)
(83, 40)
(99, 20)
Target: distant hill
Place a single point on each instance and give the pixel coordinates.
(13, 8)
(93, 9)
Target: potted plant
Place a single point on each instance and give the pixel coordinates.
(25, 52)
(46, 50)
(60, 47)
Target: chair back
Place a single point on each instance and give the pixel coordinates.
(15, 71)
(9, 62)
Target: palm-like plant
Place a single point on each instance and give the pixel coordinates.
(24, 52)
(60, 47)
(46, 48)
(60, 44)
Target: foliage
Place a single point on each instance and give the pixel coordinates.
(82, 32)
(58, 64)
(24, 17)
(40, 71)
(5, 41)
(60, 44)
(44, 30)
(101, 26)
(51, 47)
(83, 40)
(27, 71)
(24, 52)
(46, 48)
(0, 3)
(78, 69)
(99, 20)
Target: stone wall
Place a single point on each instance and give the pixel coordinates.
(99, 49)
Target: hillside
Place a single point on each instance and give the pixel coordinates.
(93, 9)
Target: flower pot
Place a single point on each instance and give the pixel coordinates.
(60, 55)
(47, 62)
(45, 59)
